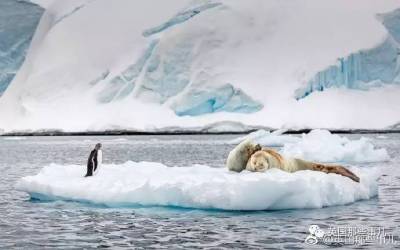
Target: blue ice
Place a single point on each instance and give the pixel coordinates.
(225, 98)
(363, 69)
(18, 21)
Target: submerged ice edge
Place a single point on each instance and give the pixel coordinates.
(198, 186)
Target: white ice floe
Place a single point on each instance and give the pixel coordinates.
(198, 186)
(320, 145)
(323, 146)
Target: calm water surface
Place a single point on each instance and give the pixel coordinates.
(25, 223)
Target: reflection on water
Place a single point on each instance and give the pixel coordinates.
(69, 225)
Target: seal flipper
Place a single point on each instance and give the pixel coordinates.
(336, 170)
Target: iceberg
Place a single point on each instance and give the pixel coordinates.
(204, 187)
(198, 186)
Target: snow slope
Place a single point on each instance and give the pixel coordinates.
(151, 65)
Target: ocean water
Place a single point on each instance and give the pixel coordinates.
(26, 223)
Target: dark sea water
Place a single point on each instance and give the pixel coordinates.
(29, 224)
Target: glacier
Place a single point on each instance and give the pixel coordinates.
(18, 21)
(165, 72)
(186, 65)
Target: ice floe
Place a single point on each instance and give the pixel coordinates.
(198, 186)
(323, 146)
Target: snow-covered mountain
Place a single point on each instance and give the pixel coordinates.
(178, 64)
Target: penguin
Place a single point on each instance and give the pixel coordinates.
(94, 160)
(99, 160)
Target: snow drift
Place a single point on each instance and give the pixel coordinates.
(153, 65)
(150, 183)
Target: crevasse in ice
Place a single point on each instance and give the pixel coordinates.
(181, 17)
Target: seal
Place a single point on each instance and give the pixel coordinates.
(239, 156)
(266, 158)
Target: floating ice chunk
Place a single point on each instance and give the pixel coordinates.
(266, 138)
(322, 146)
(319, 145)
(198, 186)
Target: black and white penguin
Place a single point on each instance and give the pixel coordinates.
(94, 160)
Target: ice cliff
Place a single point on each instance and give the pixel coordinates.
(365, 68)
